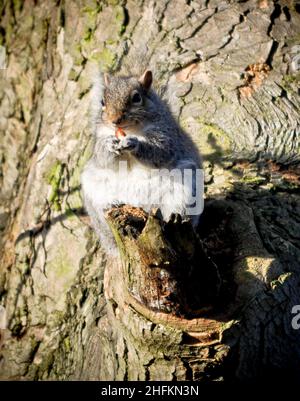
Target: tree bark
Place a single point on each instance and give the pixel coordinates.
(231, 73)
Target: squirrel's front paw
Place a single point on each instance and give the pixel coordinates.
(112, 145)
(128, 143)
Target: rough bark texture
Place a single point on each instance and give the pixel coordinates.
(231, 70)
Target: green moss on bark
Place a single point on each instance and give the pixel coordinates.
(54, 179)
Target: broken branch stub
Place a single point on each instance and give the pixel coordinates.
(164, 265)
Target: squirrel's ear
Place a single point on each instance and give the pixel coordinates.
(146, 79)
(106, 79)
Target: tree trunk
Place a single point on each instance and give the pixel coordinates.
(211, 305)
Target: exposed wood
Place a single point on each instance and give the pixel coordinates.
(163, 261)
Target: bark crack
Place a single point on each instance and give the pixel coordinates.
(273, 17)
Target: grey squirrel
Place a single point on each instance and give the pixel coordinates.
(134, 128)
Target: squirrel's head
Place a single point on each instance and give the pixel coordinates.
(124, 99)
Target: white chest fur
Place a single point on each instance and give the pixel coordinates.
(138, 186)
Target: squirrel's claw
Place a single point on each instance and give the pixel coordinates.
(113, 145)
(128, 143)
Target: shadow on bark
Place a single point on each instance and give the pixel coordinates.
(244, 308)
(219, 309)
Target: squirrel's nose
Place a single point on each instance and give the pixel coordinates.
(117, 120)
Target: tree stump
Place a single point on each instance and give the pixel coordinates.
(163, 261)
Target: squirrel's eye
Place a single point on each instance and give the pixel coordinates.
(103, 105)
(136, 98)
